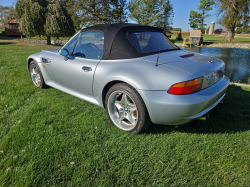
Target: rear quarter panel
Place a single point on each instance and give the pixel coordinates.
(141, 74)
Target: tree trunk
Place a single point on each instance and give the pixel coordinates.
(48, 40)
(229, 35)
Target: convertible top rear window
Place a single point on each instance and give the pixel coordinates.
(147, 42)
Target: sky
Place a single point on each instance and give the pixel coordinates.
(181, 12)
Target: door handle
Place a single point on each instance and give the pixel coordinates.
(85, 68)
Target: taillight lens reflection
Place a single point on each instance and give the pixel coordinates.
(186, 87)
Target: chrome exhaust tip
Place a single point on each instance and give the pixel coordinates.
(205, 117)
(222, 101)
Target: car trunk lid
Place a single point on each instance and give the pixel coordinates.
(210, 68)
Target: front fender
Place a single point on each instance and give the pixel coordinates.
(45, 68)
(35, 56)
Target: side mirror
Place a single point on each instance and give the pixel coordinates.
(65, 53)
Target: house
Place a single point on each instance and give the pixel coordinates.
(12, 27)
(219, 30)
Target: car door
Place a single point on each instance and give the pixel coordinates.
(77, 71)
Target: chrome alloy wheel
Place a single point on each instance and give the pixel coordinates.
(122, 110)
(35, 75)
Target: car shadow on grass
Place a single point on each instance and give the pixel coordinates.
(231, 117)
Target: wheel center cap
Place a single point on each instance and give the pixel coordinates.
(126, 109)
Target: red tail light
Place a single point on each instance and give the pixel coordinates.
(186, 87)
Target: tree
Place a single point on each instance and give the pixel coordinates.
(239, 30)
(151, 12)
(233, 13)
(197, 18)
(71, 6)
(247, 29)
(44, 18)
(175, 29)
(92, 12)
(3, 13)
(119, 12)
(165, 20)
(11, 12)
(7, 12)
(194, 19)
(205, 6)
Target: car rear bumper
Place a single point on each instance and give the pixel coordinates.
(168, 109)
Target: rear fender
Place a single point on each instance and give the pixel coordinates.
(142, 75)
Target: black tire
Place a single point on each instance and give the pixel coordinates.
(34, 75)
(142, 121)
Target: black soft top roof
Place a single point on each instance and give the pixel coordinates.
(116, 42)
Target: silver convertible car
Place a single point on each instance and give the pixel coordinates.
(135, 72)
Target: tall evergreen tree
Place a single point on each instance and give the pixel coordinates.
(194, 19)
(205, 6)
(119, 12)
(151, 12)
(234, 13)
(92, 12)
(197, 18)
(165, 20)
(44, 18)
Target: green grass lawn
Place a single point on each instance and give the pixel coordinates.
(209, 39)
(49, 138)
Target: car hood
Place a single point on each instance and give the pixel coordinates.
(53, 50)
(194, 63)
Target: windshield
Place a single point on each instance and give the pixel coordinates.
(147, 42)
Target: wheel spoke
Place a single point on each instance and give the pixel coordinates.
(134, 118)
(120, 110)
(132, 111)
(118, 105)
(123, 100)
(129, 104)
(38, 80)
(33, 68)
(129, 118)
(35, 76)
(121, 115)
